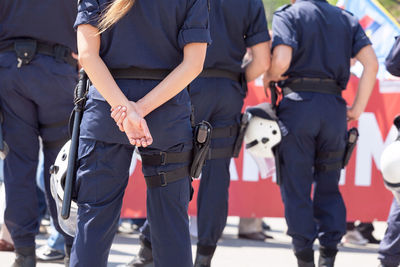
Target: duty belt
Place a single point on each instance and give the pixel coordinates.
(160, 74)
(326, 86)
(26, 49)
(139, 73)
(220, 73)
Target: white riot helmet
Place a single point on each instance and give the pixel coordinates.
(263, 132)
(58, 173)
(390, 164)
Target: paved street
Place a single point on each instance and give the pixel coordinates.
(234, 252)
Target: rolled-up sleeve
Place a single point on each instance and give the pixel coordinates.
(360, 39)
(392, 61)
(195, 28)
(257, 31)
(88, 13)
(284, 32)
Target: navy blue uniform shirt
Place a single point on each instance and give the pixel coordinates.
(152, 34)
(234, 25)
(393, 59)
(48, 21)
(324, 38)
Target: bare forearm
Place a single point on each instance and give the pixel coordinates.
(365, 87)
(177, 80)
(280, 63)
(103, 81)
(174, 83)
(88, 47)
(261, 59)
(368, 59)
(254, 69)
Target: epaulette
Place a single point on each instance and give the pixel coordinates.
(282, 8)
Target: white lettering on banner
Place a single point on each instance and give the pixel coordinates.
(370, 146)
(132, 167)
(259, 81)
(342, 180)
(250, 168)
(233, 170)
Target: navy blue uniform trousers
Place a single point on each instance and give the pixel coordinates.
(104, 156)
(389, 248)
(316, 123)
(218, 101)
(36, 100)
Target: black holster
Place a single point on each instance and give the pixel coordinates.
(352, 138)
(274, 94)
(201, 146)
(25, 49)
(275, 150)
(244, 122)
(243, 82)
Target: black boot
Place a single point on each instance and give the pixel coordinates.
(327, 257)
(305, 258)
(144, 257)
(204, 256)
(301, 263)
(366, 230)
(25, 257)
(67, 251)
(385, 265)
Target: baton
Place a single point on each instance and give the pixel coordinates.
(79, 102)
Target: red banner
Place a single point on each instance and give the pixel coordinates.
(254, 196)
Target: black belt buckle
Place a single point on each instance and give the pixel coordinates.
(61, 53)
(25, 50)
(163, 156)
(163, 178)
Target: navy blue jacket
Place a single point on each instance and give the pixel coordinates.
(48, 21)
(324, 38)
(152, 34)
(234, 25)
(393, 59)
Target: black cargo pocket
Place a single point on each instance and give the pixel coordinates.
(86, 146)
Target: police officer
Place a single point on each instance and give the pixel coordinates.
(146, 55)
(312, 46)
(37, 79)
(389, 248)
(217, 96)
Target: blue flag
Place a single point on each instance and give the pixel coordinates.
(381, 28)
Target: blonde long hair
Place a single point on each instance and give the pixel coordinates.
(113, 13)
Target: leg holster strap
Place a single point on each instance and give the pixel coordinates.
(164, 178)
(167, 158)
(225, 132)
(327, 155)
(220, 153)
(325, 167)
(205, 250)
